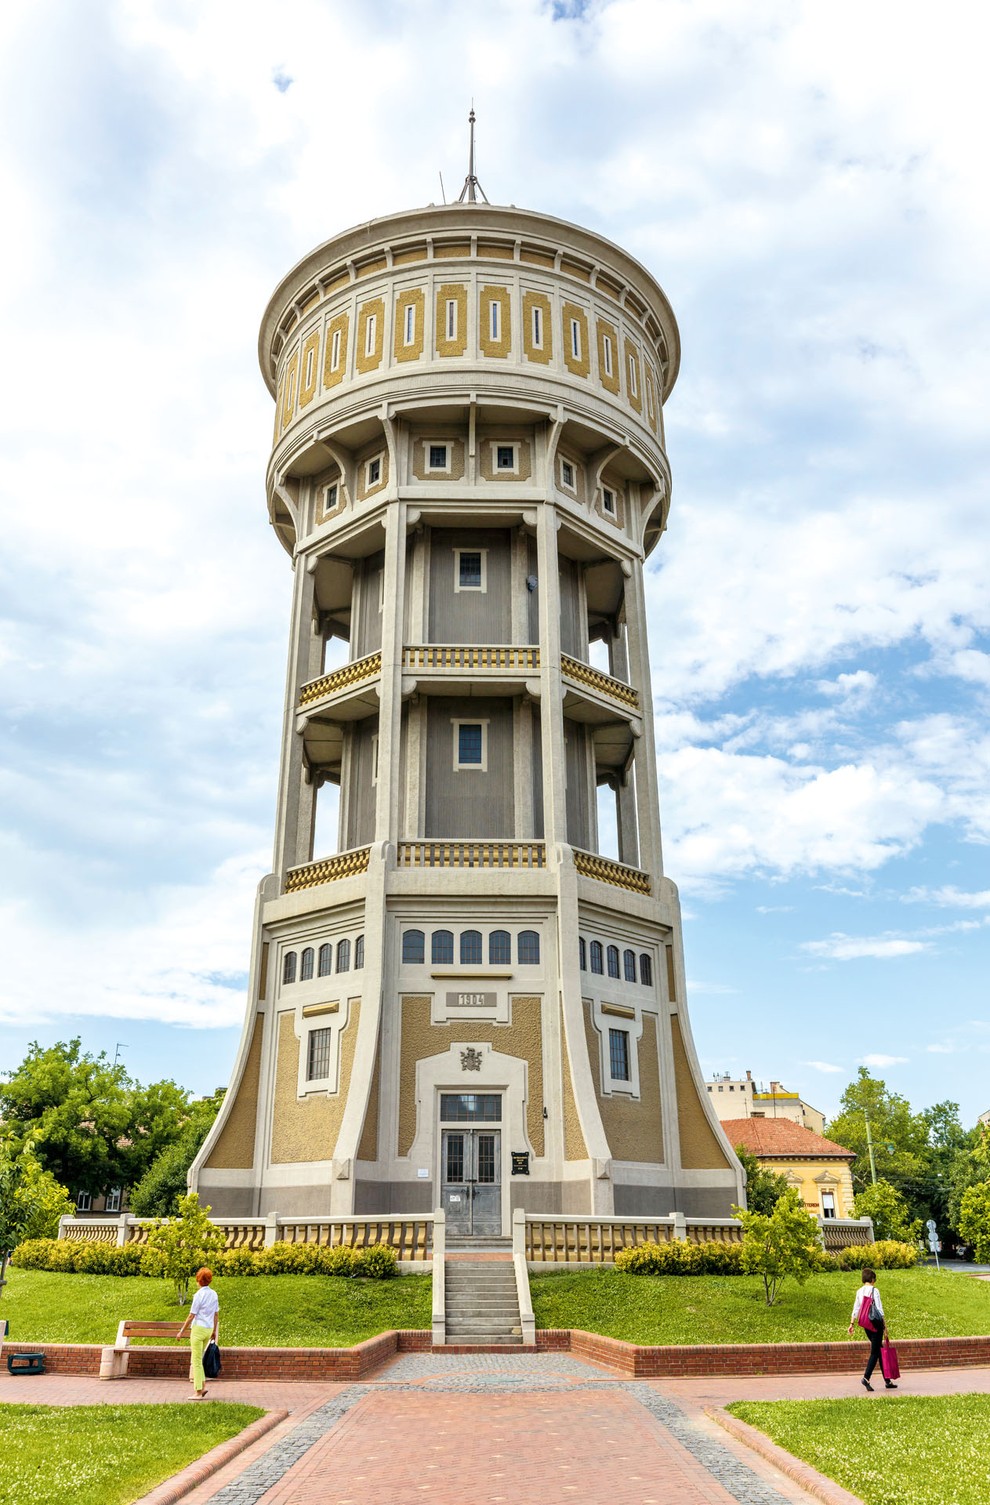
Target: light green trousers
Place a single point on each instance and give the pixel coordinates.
(199, 1337)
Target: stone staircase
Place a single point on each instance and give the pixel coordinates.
(482, 1306)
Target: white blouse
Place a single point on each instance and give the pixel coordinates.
(866, 1292)
(204, 1306)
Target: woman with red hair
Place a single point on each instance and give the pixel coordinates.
(202, 1325)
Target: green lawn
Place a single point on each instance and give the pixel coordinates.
(256, 1311)
(903, 1450)
(731, 1309)
(105, 1455)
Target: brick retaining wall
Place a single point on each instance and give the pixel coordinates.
(346, 1365)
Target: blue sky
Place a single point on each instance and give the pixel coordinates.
(807, 183)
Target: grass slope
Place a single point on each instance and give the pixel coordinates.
(730, 1308)
(105, 1455)
(256, 1311)
(903, 1450)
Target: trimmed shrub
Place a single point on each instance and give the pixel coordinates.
(679, 1257)
(885, 1254)
(74, 1257)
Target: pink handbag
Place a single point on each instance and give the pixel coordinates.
(865, 1313)
(888, 1362)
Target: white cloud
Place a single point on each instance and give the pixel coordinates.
(882, 1060)
(949, 897)
(824, 1066)
(941, 1050)
(845, 948)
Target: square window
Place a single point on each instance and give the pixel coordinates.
(567, 474)
(470, 570)
(113, 1200)
(618, 1055)
(438, 457)
(374, 471)
(470, 745)
(608, 501)
(505, 457)
(83, 1201)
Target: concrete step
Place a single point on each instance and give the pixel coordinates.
(485, 1340)
(483, 1325)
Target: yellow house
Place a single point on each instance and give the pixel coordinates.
(819, 1169)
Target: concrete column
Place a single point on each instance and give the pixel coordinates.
(551, 689)
(647, 791)
(390, 716)
(625, 805)
(296, 798)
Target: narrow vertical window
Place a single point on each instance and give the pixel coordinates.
(608, 500)
(344, 956)
(335, 350)
(374, 471)
(452, 318)
(306, 965)
(529, 948)
(499, 948)
(413, 947)
(618, 1055)
(537, 329)
(596, 957)
(326, 960)
(470, 948)
(629, 966)
(575, 339)
(330, 497)
(442, 948)
(607, 353)
(370, 334)
(374, 756)
(409, 324)
(582, 953)
(646, 970)
(612, 956)
(289, 967)
(318, 1062)
(310, 358)
(495, 319)
(633, 380)
(359, 953)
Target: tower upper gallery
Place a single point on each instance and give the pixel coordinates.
(423, 315)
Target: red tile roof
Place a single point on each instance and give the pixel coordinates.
(767, 1137)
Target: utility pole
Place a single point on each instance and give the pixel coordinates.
(869, 1148)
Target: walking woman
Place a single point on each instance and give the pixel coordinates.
(201, 1324)
(868, 1312)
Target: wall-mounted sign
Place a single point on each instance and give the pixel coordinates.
(422, 1173)
(520, 1162)
(471, 1000)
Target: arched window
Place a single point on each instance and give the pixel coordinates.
(306, 965)
(413, 947)
(359, 953)
(629, 966)
(499, 948)
(443, 948)
(646, 971)
(612, 955)
(343, 956)
(596, 956)
(326, 960)
(470, 948)
(289, 967)
(582, 953)
(529, 948)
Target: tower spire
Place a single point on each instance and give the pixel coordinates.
(472, 188)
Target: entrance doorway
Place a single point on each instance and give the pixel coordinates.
(471, 1163)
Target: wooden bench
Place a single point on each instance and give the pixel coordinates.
(113, 1359)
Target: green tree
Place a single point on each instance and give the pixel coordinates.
(179, 1246)
(31, 1201)
(92, 1126)
(764, 1187)
(889, 1211)
(900, 1137)
(164, 1182)
(970, 1166)
(780, 1244)
(974, 1219)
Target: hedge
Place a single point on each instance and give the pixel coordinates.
(69, 1256)
(678, 1257)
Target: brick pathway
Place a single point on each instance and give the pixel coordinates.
(493, 1428)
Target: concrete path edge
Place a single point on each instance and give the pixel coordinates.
(210, 1463)
(795, 1468)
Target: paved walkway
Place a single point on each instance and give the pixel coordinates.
(495, 1429)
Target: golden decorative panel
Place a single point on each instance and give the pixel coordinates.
(634, 377)
(602, 684)
(234, 1150)
(289, 388)
(306, 1128)
(491, 342)
(370, 335)
(342, 678)
(335, 373)
(542, 353)
(668, 951)
(410, 254)
(633, 1126)
(343, 865)
(575, 1147)
(512, 854)
(487, 456)
(309, 368)
(700, 1150)
(578, 361)
(279, 390)
(363, 488)
(608, 356)
(368, 1147)
(420, 448)
(607, 871)
(422, 1039)
(375, 264)
(451, 250)
(496, 250)
(650, 384)
(536, 258)
(456, 293)
(415, 299)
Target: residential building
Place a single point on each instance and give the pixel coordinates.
(741, 1097)
(819, 1169)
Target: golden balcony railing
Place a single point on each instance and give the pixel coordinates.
(341, 679)
(461, 854)
(473, 656)
(328, 870)
(616, 873)
(602, 684)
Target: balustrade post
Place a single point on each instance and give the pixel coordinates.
(271, 1229)
(680, 1225)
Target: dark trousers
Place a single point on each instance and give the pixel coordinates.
(876, 1343)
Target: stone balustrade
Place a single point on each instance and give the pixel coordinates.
(410, 1237)
(464, 854)
(424, 657)
(602, 684)
(591, 865)
(341, 679)
(327, 870)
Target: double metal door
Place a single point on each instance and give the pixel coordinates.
(471, 1182)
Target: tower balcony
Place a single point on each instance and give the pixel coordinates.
(470, 668)
(593, 696)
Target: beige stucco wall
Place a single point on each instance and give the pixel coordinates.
(306, 1128)
(632, 1125)
(700, 1149)
(234, 1150)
